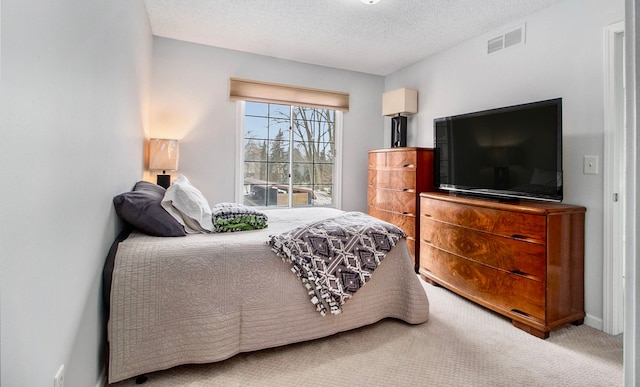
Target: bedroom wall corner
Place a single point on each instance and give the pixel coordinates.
(74, 103)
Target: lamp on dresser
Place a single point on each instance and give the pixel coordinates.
(163, 156)
(396, 103)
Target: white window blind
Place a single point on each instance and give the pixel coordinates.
(257, 91)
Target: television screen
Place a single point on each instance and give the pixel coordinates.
(511, 152)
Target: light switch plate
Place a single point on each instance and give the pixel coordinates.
(590, 165)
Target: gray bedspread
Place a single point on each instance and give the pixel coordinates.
(206, 297)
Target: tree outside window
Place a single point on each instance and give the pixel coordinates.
(289, 155)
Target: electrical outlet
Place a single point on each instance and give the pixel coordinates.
(58, 380)
(591, 165)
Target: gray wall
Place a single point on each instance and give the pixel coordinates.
(632, 269)
(190, 102)
(562, 57)
(74, 105)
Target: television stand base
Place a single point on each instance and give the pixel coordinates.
(524, 261)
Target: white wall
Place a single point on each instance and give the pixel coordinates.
(190, 102)
(562, 57)
(74, 105)
(631, 344)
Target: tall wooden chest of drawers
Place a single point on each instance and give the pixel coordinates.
(396, 178)
(524, 260)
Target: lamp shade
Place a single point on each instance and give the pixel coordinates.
(163, 154)
(400, 101)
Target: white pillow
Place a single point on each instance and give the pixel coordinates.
(188, 206)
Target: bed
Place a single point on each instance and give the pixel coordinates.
(206, 297)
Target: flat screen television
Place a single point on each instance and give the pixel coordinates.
(508, 153)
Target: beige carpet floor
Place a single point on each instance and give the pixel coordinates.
(462, 344)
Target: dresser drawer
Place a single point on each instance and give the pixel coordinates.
(403, 202)
(510, 293)
(401, 159)
(393, 159)
(511, 255)
(377, 159)
(516, 225)
(396, 180)
(406, 222)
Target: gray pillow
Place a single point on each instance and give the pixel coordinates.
(142, 209)
(146, 186)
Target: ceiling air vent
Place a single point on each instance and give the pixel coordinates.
(508, 39)
(495, 44)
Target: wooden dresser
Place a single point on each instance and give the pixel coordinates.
(524, 259)
(397, 176)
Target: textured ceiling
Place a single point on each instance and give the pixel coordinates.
(347, 34)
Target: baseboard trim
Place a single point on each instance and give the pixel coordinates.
(593, 322)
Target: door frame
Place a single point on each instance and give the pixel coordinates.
(614, 172)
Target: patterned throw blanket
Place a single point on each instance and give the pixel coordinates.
(228, 217)
(337, 256)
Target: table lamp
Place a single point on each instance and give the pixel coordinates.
(163, 156)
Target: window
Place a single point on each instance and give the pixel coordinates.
(289, 155)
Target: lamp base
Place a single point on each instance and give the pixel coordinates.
(164, 181)
(398, 131)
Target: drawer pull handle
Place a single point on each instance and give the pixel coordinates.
(518, 236)
(519, 272)
(407, 213)
(407, 166)
(406, 189)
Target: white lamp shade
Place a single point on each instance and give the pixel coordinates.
(400, 101)
(163, 154)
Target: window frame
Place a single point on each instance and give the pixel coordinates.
(337, 172)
